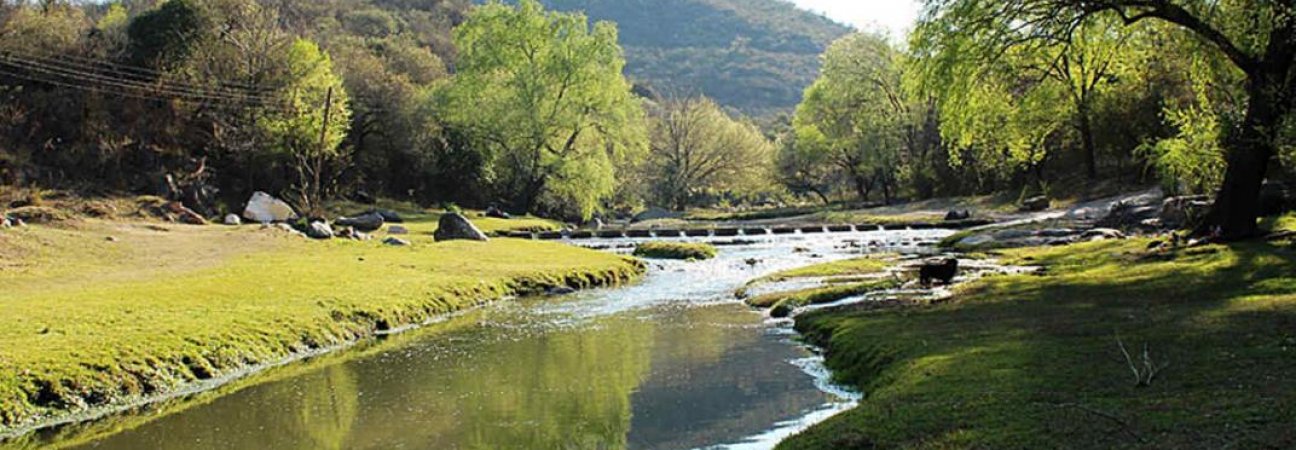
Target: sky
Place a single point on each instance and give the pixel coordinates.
(895, 16)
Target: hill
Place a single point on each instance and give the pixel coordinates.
(755, 56)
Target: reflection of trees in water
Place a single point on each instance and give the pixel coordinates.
(328, 407)
(698, 336)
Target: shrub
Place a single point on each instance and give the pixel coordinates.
(675, 250)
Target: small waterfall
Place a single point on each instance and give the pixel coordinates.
(683, 234)
(710, 233)
(881, 228)
(742, 232)
(826, 230)
(652, 234)
(769, 230)
(853, 229)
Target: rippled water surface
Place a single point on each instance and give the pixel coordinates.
(670, 363)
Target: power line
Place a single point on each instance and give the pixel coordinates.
(121, 93)
(57, 70)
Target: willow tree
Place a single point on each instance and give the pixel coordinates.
(310, 119)
(857, 114)
(1256, 36)
(543, 94)
(696, 147)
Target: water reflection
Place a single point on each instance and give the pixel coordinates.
(661, 365)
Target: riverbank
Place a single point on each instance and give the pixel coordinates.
(1115, 346)
(100, 313)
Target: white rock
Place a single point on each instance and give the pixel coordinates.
(263, 208)
(233, 220)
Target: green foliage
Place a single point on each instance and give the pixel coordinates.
(675, 250)
(853, 118)
(543, 92)
(698, 149)
(309, 86)
(166, 36)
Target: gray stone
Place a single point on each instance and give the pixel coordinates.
(1102, 234)
(396, 242)
(263, 208)
(319, 230)
(1005, 235)
(388, 215)
(397, 229)
(1057, 233)
(1035, 204)
(1180, 211)
(954, 216)
(233, 220)
(454, 226)
(6, 223)
(366, 223)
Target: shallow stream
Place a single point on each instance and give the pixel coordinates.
(673, 362)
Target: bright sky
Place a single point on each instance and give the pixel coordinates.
(894, 16)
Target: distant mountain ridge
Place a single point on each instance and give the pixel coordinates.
(754, 56)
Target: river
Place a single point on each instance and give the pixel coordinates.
(672, 362)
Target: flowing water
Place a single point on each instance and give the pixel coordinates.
(672, 362)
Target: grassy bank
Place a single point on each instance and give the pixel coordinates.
(96, 312)
(1037, 361)
(675, 250)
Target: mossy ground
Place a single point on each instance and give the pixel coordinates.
(675, 250)
(88, 321)
(781, 304)
(1036, 361)
(848, 267)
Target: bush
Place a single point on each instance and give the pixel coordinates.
(675, 250)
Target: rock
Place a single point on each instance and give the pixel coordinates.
(1156, 245)
(454, 226)
(941, 270)
(351, 233)
(496, 213)
(560, 290)
(1035, 204)
(388, 215)
(397, 229)
(233, 220)
(954, 216)
(1102, 234)
(6, 223)
(1006, 235)
(654, 213)
(366, 223)
(800, 250)
(753, 262)
(111, 239)
(36, 214)
(319, 230)
(396, 242)
(263, 208)
(1057, 233)
(1181, 211)
(1127, 215)
(185, 215)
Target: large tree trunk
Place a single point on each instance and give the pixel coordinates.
(1237, 204)
(1085, 126)
(863, 187)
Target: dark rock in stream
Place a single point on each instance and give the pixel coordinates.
(943, 270)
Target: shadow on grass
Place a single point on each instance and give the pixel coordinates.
(1034, 362)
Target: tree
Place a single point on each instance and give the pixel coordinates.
(312, 120)
(857, 114)
(543, 92)
(696, 147)
(1257, 36)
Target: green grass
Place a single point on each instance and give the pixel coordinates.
(424, 220)
(782, 303)
(1034, 361)
(87, 322)
(848, 267)
(675, 250)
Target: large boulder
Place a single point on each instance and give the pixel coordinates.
(942, 270)
(655, 213)
(1035, 204)
(1178, 212)
(367, 223)
(1128, 215)
(264, 208)
(454, 226)
(319, 230)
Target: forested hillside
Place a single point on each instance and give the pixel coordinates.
(756, 56)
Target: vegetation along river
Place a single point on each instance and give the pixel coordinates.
(673, 362)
